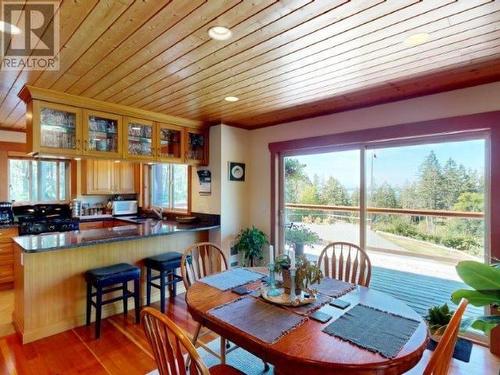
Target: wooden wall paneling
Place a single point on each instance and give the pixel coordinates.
(4, 169)
(119, 76)
(71, 14)
(159, 24)
(248, 21)
(338, 55)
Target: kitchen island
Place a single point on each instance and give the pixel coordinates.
(50, 289)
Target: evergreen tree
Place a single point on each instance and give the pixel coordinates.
(384, 196)
(334, 193)
(430, 184)
(295, 179)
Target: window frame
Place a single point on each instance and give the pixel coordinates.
(170, 208)
(37, 200)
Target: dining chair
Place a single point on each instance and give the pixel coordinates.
(169, 342)
(440, 361)
(198, 261)
(347, 262)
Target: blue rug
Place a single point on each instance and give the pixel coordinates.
(463, 349)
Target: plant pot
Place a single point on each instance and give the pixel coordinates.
(287, 280)
(299, 249)
(495, 341)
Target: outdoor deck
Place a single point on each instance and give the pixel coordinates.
(418, 291)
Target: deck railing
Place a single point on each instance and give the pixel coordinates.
(393, 211)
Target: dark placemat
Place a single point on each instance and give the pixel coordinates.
(462, 351)
(232, 278)
(321, 300)
(259, 319)
(372, 329)
(333, 287)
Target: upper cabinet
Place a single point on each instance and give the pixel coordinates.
(169, 143)
(102, 134)
(139, 141)
(56, 129)
(196, 142)
(69, 125)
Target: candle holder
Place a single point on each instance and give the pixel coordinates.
(272, 291)
(293, 296)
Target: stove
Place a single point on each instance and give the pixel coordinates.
(44, 218)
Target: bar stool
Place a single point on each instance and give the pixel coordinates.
(165, 264)
(101, 278)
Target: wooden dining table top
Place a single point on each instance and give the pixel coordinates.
(306, 349)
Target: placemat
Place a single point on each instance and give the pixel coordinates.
(261, 320)
(333, 287)
(462, 351)
(372, 329)
(232, 278)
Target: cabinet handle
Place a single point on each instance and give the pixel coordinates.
(78, 145)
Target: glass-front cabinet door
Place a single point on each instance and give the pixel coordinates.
(196, 146)
(57, 128)
(169, 142)
(139, 139)
(102, 134)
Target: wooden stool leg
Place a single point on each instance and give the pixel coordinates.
(137, 304)
(171, 284)
(148, 286)
(162, 291)
(125, 298)
(98, 311)
(89, 303)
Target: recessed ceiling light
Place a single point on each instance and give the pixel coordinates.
(9, 28)
(231, 99)
(417, 39)
(219, 33)
(117, 161)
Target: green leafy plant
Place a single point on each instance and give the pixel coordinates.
(307, 272)
(438, 318)
(485, 281)
(298, 236)
(249, 242)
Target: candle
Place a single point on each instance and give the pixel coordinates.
(292, 258)
(271, 254)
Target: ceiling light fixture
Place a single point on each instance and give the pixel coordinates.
(219, 33)
(417, 39)
(231, 99)
(9, 28)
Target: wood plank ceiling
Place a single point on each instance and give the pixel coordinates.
(286, 59)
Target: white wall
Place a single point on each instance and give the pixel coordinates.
(483, 98)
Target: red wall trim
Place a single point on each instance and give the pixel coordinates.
(489, 121)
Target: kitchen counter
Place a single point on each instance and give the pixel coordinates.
(64, 240)
(7, 226)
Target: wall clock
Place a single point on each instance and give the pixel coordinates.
(236, 171)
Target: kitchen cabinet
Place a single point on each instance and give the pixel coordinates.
(7, 257)
(169, 143)
(139, 139)
(56, 129)
(196, 143)
(102, 134)
(107, 177)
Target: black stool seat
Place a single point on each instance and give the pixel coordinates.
(117, 273)
(165, 264)
(164, 261)
(105, 280)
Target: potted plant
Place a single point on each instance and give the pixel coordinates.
(307, 273)
(249, 243)
(485, 283)
(298, 236)
(437, 319)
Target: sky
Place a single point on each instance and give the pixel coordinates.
(396, 165)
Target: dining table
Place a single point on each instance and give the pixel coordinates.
(307, 348)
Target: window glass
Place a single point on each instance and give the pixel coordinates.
(169, 186)
(37, 180)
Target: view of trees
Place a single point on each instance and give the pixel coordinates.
(436, 187)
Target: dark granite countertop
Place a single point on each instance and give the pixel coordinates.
(7, 226)
(78, 238)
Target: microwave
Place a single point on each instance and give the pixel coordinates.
(124, 208)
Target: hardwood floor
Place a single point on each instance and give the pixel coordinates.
(123, 349)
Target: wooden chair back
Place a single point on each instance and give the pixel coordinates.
(200, 260)
(169, 343)
(347, 262)
(439, 363)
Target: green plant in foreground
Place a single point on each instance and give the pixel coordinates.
(485, 281)
(249, 242)
(438, 318)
